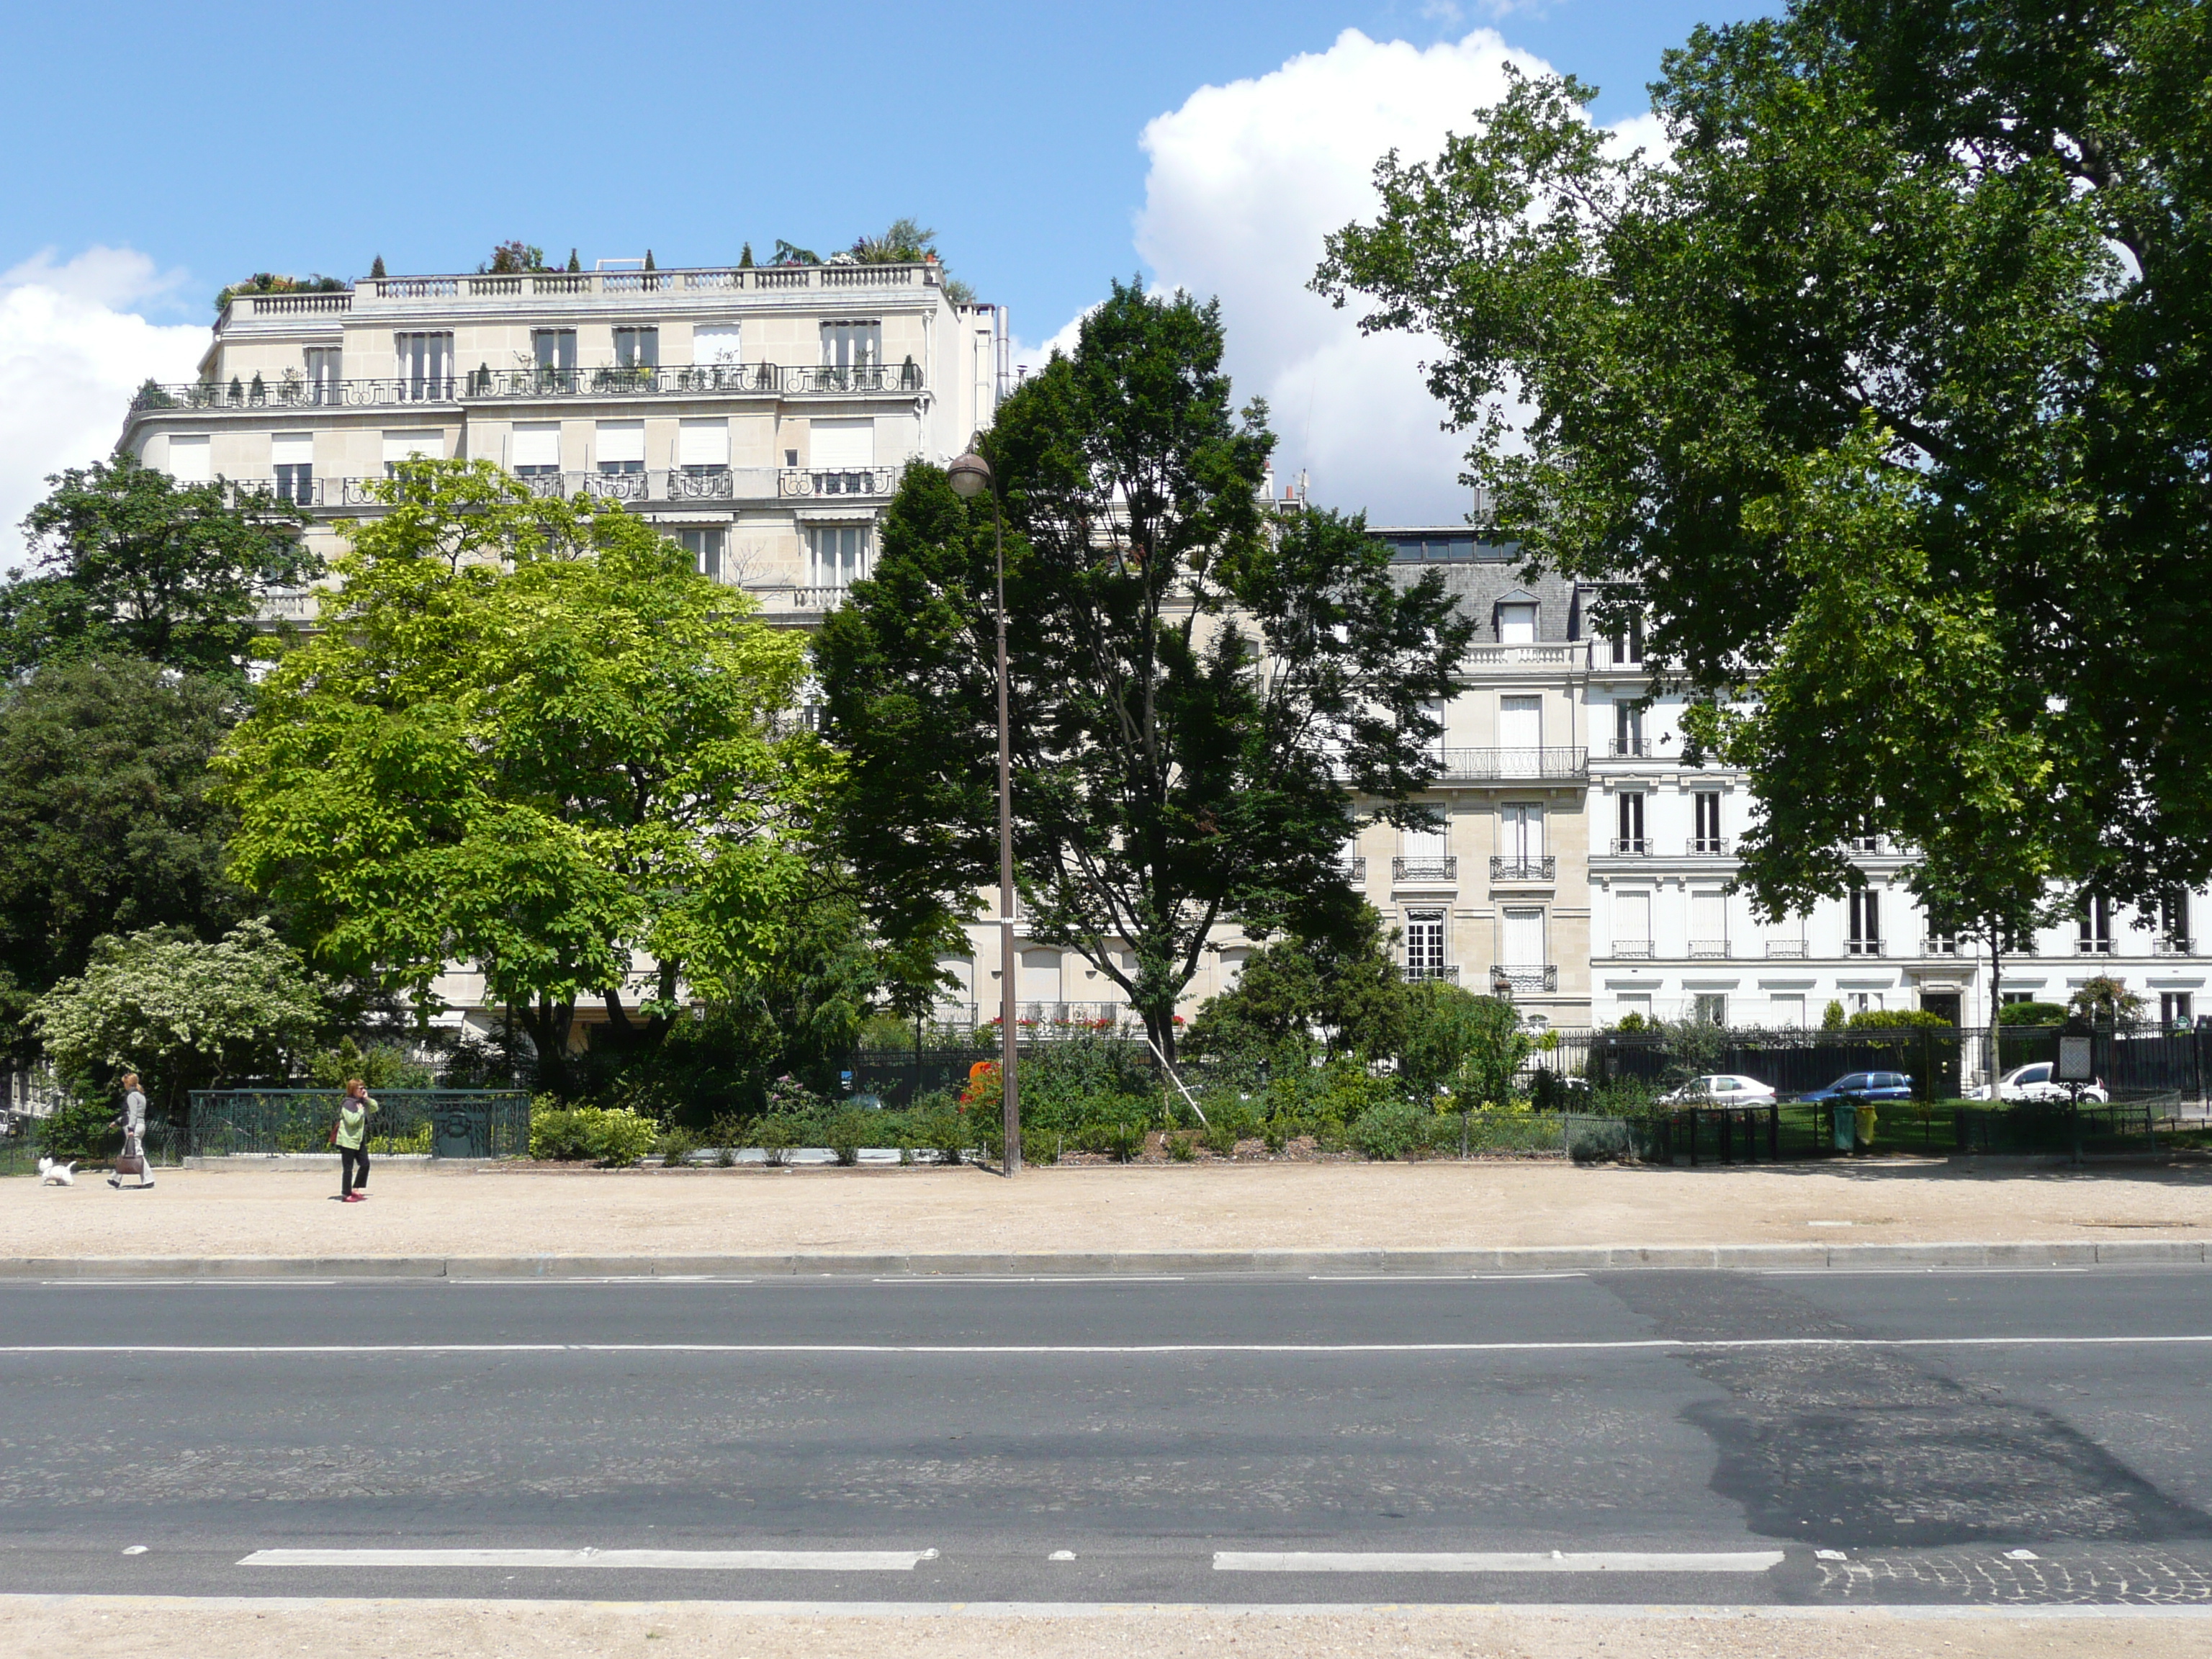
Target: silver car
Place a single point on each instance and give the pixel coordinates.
(1721, 1088)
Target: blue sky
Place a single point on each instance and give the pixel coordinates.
(216, 140)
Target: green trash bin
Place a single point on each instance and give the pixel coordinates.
(1845, 1122)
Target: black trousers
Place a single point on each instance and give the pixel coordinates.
(351, 1159)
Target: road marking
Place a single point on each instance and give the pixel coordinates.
(1661, 1344)
(1891, 1273)
(1438, 1279)
(1523, 1561)
(680, 1560)
(1040, 1278)
(609, 1279)
(190, 1283)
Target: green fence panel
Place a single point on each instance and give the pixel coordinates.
(439, 1122)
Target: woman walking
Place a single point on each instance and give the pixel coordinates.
(351, 1136)
(133, 1124)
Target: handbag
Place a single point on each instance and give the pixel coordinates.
(130, 1164)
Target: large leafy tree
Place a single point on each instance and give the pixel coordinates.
(1198, 686)
(107, 823)
(131, 561)
(1884, 391)
(533, 740)
(1347, 994)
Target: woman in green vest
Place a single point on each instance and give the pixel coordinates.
(351, 1136)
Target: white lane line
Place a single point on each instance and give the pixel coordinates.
(1918, 1272)
(609, 1278)
(1649, 1345)
(681, 1560)
(1439, 1279)
(1040, 1278)
(1522, 1561)
(192, 1284)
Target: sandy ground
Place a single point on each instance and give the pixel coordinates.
(43, 1628)
(431, 1211)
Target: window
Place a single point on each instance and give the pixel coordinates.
(292, 456)
(1635, 1005)
(425, 367)
(554, 351)
(1709, 924)
(716, 343)
(1521, 724)
(1865, 1002)
(324, 373)
(1521, 833)
(1628, 728)
(400, 446)
(837, 555)
(1630, 836)
(1632, 924)
(839, 455)
(637, 348)
(1520, 940)
(190, 461)
(621, 445)
(2174, 936)
(852, 344)
(1786, 1010)
(2009, 998)
(1424, 945)
(1423, 852)
(1709, 1008)
(536, 450)
(2177, 1010)
(1516, 622)
(704, 446)
(1708, 836)
(1041, 976)
(1627, 642)
(2095, 923)
(705, 547)
(1865, 938)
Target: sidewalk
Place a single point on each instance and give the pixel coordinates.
(433, 1211)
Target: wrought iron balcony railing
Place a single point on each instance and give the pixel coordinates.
(1447, 971)
(1629, 847)
(1513, 867)
(672, 484)
(1512, 764)
(2092, 947)
(1708, 846)
(1630, 749)
(1526, 978)
(1708, 949)
(2171, 946)
(1424, 869)
(1940, 944)
(864, 377)
(1639, 949)
(1792, 948)
(295, 392)
(291, 391)
(727, 378)
(1865, 947)
(1353, 869)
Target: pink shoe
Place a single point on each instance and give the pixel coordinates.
(353, 1198)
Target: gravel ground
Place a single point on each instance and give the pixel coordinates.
(114, 1628)
(425, 1210)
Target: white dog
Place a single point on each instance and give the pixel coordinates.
(52, 1173)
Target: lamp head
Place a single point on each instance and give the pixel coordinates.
(969, 475)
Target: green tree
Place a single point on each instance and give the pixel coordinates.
(107, 823)
(1455, 1041)
(1198, 687)
(184, 1014)
(2105, 1001)
(131, 561)
(1346, 993)
(539, 743)
(1925, 280)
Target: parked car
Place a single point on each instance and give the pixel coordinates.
(2035, 1083)
(1721, 1088)
(1862, 1086)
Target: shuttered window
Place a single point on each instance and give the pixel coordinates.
(703, 443)
(716, 343)
(292, 449)
(537, 446)
(190, 461)
(405, 445)
(622, 443)
(835, 444)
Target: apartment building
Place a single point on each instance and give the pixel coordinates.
(762, 414)
(1670, 940)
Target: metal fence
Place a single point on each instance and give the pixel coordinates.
(24, 1140)
(435, 1122)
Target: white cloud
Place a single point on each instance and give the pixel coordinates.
(71, 352)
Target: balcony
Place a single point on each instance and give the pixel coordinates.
(1446, 971)
(1352, 870)
(1638, 950)
(1421, 869)
(1512, 765)
(1787, 948)
(670, 485)
(1869, 846)
(1940, 944)
(1865, 947)
(1525, 980)
(483, 385)
(2173, 947)
(1089, 1016)
(292, 392)
(2092, 947)
(1632, 749)
(1707, 846)
(1556, 655)
(1511, 867)
(728, 380)
(709, 285)
(1709, 949)
(1629, 847)
(866, 377)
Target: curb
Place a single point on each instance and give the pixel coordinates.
(1723, 1258)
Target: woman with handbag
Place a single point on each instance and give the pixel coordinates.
(133, 1124)
(349, 1135)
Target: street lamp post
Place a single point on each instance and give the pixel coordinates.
(970, 477)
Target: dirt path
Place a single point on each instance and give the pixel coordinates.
(433, 1211)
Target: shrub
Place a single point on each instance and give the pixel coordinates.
(614, 1138)
(775, 1133)
(676, 1147)
(1182, 1148)
(2032, 1014)
(1393, 1129)
(1832, 1017)
(848, 1130)
(1221, 1137)
(1879, 1019)
(78, 1132)
(414, 1143)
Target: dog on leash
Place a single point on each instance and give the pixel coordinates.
(52, 1173)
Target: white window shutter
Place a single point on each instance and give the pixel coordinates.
(622, 441)
(716, 343)
(703, 443)
(292, 449)
(406, 445)
(834, 444)
(190, 461)
(537, 443)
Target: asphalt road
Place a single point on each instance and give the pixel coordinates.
(1947, 1436)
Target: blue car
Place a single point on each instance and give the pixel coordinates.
(1864, 1086)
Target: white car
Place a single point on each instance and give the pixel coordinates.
(1721, 1088)
(2034, 1083)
